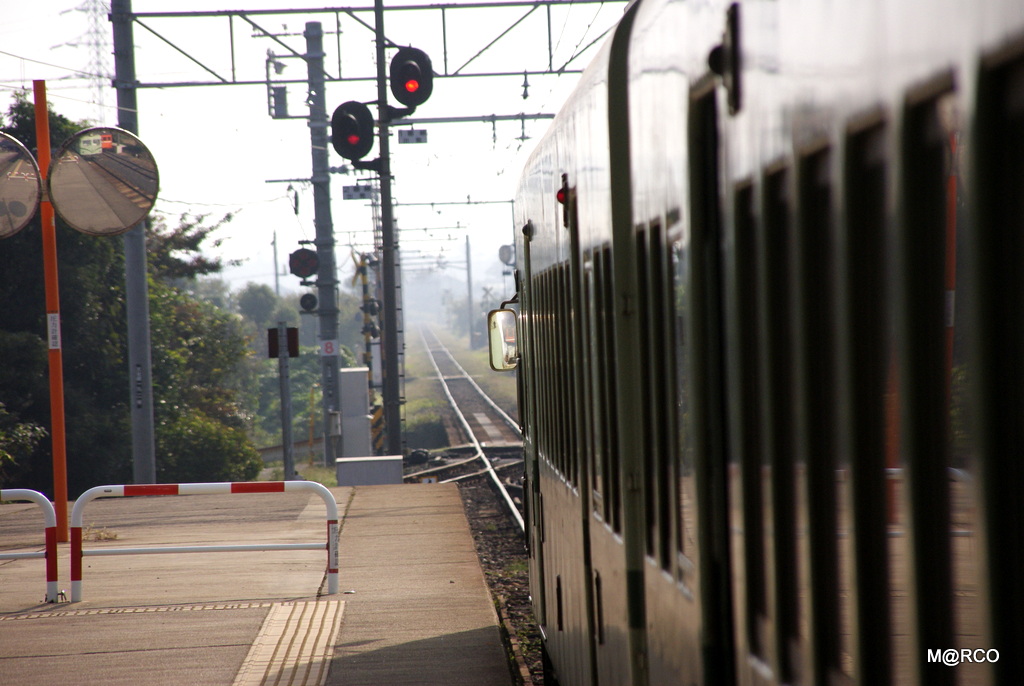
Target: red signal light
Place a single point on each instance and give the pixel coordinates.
(411, 76)
(560, 196)
(352, 130)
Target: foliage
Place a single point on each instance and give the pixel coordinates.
(175, 252)
(196, 348)
(215, 391)
(259, 309)
(258, 303)
(17, 441)
(195, 447)
(204, 375)
(424, 427)
(200, 353)
(91, 274)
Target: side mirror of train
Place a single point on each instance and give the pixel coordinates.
(501, 337)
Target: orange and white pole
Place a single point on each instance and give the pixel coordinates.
(60, 472)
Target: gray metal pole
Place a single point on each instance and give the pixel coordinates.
(469, 294)
(136, 287)
(326, 276)
(277, 275)
(389, 249)
(284, 377)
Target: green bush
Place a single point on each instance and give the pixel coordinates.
(194, 448)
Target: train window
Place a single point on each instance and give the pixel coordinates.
(559, 617)
(558, 371)
(566, 329)
(964, 506)
(545, 322)
(656, 343)
(815, 394)
(776, 281)
(864, 352)
(996, 246)
(569, 326)
(920, 326)
(649, 451)
(686, 501)
(595, 370)
(555, 357)
(597, 309)
(611, 461)
(745, 421)
(661, 286)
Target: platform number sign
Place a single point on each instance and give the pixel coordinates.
(328, 348)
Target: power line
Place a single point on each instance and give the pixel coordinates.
(48, 64)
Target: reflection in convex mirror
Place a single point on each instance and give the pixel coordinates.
(20, 188)
(103, 181)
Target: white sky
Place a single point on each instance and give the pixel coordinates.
(216, 146)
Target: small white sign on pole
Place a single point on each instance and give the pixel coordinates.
(329, 348)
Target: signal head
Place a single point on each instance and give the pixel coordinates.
(352, 130)
(412, 77)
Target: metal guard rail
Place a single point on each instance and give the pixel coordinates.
(77, 553)
(49, 536)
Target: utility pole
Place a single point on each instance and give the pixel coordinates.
(217, 73)
(277, 276)
(389, 248)
(326, 276)
(284, 380)
(136, 288)
(469, 293)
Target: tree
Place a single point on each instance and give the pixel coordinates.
(200, 356)
(17, 441)
(175, 253)
(258, 303)
(197, 352)
(91, 274)
(199, 448)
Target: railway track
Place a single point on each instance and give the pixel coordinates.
(131, 178)
(485, 426)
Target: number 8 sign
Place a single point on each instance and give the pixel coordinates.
(328, 348)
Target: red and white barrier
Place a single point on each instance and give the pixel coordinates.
(49, 536)
(77, 553)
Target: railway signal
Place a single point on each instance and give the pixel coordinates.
(303, 263)
(412, 77)
(352, 130)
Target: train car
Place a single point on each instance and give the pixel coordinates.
(770, 341)
(90, 145)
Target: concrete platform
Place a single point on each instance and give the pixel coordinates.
(413, 607)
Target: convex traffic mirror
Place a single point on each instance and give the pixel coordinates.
(103, 181)
(20, 188)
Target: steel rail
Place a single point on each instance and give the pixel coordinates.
(516, 516)
(513, 424)
(441, 468)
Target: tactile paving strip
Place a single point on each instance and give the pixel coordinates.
(294, 646)
(132, 610)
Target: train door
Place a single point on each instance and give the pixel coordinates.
(705, 369)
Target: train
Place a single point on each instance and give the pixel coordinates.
(91, 144)
(768, 329)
